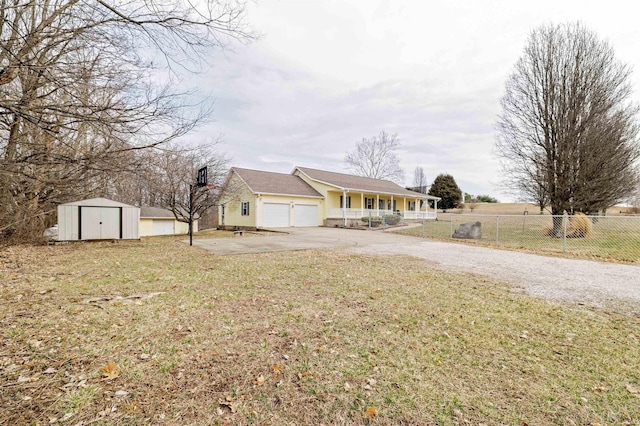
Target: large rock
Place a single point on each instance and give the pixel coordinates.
(469, 231)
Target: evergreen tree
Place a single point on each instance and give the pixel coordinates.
(445, 187)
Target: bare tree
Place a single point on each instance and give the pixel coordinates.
(176, 187)
(375, 158)
(419, 180)
(79, 89)
(567, 133)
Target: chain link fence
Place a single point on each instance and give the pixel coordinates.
(605, 237)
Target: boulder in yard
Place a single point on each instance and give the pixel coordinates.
(469, 231)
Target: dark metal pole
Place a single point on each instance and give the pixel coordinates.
(190, 215)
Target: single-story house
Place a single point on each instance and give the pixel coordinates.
(311, 197)
(159, 221)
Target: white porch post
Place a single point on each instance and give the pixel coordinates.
(391, 205)
(377, 204)
(404, 206)
(344, 208)
(435, 207)
(361, 204)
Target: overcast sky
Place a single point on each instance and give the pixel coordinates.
(327, 73)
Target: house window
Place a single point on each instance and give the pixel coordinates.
(348, 206)
(412, 206)
(381, 204)
(368, 203)
(245, 208)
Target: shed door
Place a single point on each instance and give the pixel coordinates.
(100, 223)
(163, 227)
(306, 215)
(275, 215)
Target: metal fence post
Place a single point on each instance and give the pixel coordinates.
(564, 239)
(450, 225)
(497, 229)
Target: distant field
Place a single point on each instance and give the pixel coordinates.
(519, 208)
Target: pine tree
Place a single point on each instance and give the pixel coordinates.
(445, 187)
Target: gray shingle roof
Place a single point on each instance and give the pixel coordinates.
(275, 183)
(158, 212)
(359, 183)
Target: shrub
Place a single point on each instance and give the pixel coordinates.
(392, 219)
(375, 220)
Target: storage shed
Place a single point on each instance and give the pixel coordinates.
(98, 219)
(159, 221)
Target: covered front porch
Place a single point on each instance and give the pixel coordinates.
(360, 213)
(355, 205)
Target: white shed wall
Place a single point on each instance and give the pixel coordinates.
(67, 223)
(130, 223)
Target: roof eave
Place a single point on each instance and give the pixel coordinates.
(288, 195)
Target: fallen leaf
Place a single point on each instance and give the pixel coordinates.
(110, 371)
(24, 379)
(632, 389)
(260, 380)
(371, 412)
(277, 368)
(49, 370)
(231, 403)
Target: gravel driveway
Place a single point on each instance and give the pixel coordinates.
(585, 282)
(570, 280)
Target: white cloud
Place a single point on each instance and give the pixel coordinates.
(328, 73)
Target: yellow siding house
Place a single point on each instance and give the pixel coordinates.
(311, 197)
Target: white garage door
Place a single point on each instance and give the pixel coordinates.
(163, 227)
(306, 215)
(275, 215)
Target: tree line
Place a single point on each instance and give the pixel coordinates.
(89, 100)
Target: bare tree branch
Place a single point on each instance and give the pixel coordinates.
(568, 132)
(375, 158)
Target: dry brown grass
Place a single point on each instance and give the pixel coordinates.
(310, 337)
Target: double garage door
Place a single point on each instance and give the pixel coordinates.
(278, 215)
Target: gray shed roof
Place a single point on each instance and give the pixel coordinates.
(359, 183)
(275, 183)
(97, 202)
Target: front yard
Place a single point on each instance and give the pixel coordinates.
(155, 332)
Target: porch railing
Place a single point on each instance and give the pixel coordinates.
(336, 213)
